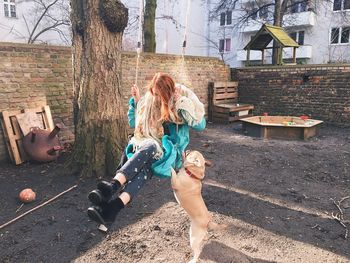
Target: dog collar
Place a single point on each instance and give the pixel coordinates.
(191, 174)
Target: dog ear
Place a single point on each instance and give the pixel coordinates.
(208, 163)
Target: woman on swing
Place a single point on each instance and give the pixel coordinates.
(161, 119)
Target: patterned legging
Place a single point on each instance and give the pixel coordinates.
(137, 168)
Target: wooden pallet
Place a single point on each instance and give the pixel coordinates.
(223, 103)
(13, 134)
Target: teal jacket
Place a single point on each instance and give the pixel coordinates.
(173, 144)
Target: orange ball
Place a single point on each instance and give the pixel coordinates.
(27, 195)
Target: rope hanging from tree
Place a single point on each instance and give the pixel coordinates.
(186, 26)
(139, 39)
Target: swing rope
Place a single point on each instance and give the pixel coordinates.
(186, 26)
(139, 39)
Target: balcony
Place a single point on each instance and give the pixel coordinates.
(289, 20)
(302, 52)
(299, 19)
(252, 26)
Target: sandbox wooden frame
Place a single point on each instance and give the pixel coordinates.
(281, 127)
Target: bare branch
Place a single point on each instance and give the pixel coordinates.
(45, 30)
(40, 18)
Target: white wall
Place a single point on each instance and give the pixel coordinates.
(15, 29)
(170, 33)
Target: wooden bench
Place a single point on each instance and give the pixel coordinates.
(223, 103)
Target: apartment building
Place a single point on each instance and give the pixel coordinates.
(22, 22)
(321, 28)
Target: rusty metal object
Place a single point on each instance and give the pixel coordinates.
(41, 145)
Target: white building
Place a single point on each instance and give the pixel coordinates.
(174, 19)
(20, 22)
(321, 28)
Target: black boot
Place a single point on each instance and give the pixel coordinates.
(106, 213)
(104, 192)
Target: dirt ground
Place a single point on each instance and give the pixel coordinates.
(275, 195)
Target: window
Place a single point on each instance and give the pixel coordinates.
(346, 5)
(222, 19)
(225, 45)
(336, 5)
(303, 6)
(335, 36)
(10, 8)
(345, 35)
(301, 38)
(226, 18)
(294, 8)
(264, 12)
(257, 12)
(341, 5)
(228, 43)
(229, 18)
(298, 7)
(221, 45)
(340, 35)
(293, 35)
(298, 37)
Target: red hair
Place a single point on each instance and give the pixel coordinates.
(163, 86)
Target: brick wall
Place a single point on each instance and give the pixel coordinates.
(194, 72)
(320, 91)
(35, 75)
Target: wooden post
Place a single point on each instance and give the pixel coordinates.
(262, 56)
(280, 57)
(294, 55)
(248, 56)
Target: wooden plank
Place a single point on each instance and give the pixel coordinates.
(12, 135)
(27, 120)
(223, 99)
(225, 84)
(221, 96)
(230, 107)
(7, 140)
(45, 116)
(48, 118)
(221, 109)
(225, 90)
(210, 101)
(229, 102)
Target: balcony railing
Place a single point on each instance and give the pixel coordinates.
(302, 52)
(289, 20)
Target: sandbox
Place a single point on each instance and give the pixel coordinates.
(281, 127)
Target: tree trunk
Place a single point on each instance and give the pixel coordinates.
(277, 21)
(149, 26)
(99, 116)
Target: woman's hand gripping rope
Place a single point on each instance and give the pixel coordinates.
(135, 92)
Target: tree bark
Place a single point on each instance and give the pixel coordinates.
(99, 116)
(277, 21)
(149, 26)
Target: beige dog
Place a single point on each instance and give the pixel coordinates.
(187, 188)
